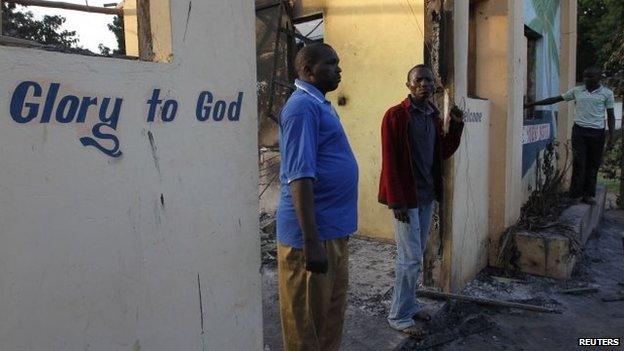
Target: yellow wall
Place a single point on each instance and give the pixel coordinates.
(491, 74)
(378, 42)
(131, 31)
(160, 20)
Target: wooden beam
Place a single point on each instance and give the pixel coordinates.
(146, 47)
(68, 6)
(260, 7)
(445, 296)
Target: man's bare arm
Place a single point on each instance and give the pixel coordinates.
(302, 191)
(611, 124)
(549, 101)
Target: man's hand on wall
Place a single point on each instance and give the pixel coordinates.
(609, 143)
(457, 115)
(315, 257)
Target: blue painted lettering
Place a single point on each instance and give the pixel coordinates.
(219, 111)
(25, 107)
(112, 152)
(49, 102)
(203, 106)
(234, 110)
(170, 109)
(204, 109)
(153, 104)
(113, 117)
(67, 109)
(84, 108)
(18, 102)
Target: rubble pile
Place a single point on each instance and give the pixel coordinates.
(268, 240)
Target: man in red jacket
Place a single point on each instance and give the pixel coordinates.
(414, 146)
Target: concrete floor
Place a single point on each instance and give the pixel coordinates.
(371, 275)
(583, 316)
(586, 316)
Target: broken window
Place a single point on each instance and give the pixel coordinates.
(473, 18)
(278, 39)
(275, 54)
(122, 29)
(310, 27)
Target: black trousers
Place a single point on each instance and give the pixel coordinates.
(587, 149)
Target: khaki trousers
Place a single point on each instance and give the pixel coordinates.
(312, 305)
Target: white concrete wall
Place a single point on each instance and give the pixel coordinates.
(105, 253)
(471, 195)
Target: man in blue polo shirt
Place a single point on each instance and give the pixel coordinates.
(592, 100)
(318, 207)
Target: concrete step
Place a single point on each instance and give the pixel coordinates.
(554, 254)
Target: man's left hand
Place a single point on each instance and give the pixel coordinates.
(609, 143)
(457, 115)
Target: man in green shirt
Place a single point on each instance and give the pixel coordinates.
(592, 100)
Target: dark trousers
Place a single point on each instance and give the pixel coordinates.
(587, 149)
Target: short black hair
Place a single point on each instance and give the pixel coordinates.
(411, 71)
(593, 69)
(309, 55)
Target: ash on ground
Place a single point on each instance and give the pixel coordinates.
(371, 268)
(600, 273)
(268, 240)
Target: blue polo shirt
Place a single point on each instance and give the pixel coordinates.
(313, 144)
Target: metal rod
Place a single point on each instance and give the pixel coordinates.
(268, 6)
(285, 84)
(439, 295)
(296, 35)
(68, 6)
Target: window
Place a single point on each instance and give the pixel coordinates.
(123, 29)
(532, 38)
(472, 50)
(475, 20)
(311, 28)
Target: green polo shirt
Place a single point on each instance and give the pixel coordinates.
(590, 107)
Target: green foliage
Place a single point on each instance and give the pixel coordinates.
(614, 67)
(47, 31)
(599, 22)
(545, 205)
(548, 200)
(118, 29)
(610, 168)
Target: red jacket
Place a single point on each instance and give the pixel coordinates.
(397, 186)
